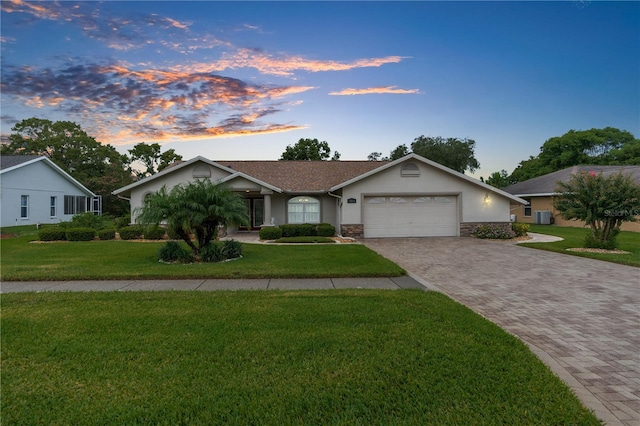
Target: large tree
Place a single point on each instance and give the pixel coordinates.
(197, 208)
(499, 179)
(603, 203)
(455, 153)
(77, 153)
(309, 150)
(151, 157)
(594, 146)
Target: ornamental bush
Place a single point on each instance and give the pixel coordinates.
(270, 233)
(154, 232)
(232, 249)
(107, 234)
(520, 229)
(132, 232)
(326, 230)
(173, 251)
(290, 230)
(80, 234)
(52, 234)
(493, 232)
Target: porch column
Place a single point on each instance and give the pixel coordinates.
(267, 206)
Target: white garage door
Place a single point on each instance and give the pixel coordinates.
(414, 216)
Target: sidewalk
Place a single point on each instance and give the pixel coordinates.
(393, 283)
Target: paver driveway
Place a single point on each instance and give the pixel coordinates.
(580, 316)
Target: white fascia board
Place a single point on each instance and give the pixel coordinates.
(538, 194)
(237, 174)
(166, 171)
(435, 165)
(56, 168)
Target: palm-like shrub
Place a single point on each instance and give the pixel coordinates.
(197, 208)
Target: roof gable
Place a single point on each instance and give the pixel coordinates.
(547, 184)
(435, 165)
(9, 163)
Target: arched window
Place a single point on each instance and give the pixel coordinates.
(303, 210)
(410, 169)
(201, 171)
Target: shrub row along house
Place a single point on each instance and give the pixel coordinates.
(36, 191)
(542, 191)
(410, 197)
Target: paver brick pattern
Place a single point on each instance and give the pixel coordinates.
(584, 314)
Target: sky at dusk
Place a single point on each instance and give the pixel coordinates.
(242, 80)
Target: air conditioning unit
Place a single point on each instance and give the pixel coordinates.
(542, 217)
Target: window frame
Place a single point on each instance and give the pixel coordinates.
(24, 207)
(305, 212)
(53, 206)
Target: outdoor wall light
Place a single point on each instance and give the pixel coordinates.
(487, 199)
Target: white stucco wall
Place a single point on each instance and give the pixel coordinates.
(39, 182)
(471, 198)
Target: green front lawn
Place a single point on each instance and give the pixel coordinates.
(574, 238)
(269, 358)
(23, 260)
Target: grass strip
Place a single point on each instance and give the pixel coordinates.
(23, 260)
(301, 357)
(574, 238)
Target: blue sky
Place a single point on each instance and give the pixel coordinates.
(242, 80)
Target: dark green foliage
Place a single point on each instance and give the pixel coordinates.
(290, 230)
(154, 232)
(603, 203)
(520, 229)
(455, 153)
(232, 249)
(595, 146)
(151, 157)
(596, 239)
(270, 233)
(80, 234)
(302, 240)
(173, 251)
(132, 232)
(326, 230)
(196, 209)
(122, 221)
(212, 253)
(493, 232)
(107, 234)
(307, 230)
(52, 234)
(309, 150)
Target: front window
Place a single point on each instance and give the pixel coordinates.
(304, 210)
(52, 207)
(75, 204)
(24, 206)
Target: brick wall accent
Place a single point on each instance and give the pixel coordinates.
(466, 228)
(354, 230)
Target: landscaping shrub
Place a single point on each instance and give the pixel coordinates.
(270, 233)
(172, 251)
(106, 234)
(80, 234)
(52, 234)
(326, 230)
(132, 232)
(232, 249)
(520, 229)
(212, 253)
(494, 232)
(121, 222)
(290, 230)
(598, 242)
(154, 233)
(307, 230)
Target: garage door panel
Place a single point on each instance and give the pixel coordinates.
(418, 216)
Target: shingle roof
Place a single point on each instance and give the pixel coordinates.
(547, 184)
(7, 161)
(303, 176)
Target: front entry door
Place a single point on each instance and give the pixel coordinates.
(256, 211)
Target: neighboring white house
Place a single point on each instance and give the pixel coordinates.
(36, 191)
(410, 197)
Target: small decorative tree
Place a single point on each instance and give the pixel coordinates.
(196, 208)
(603, 203)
